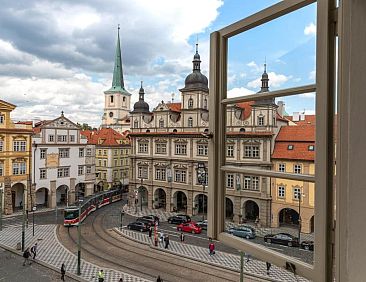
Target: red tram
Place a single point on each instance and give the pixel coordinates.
(90, 204)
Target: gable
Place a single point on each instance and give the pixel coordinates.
(61, 122)
(5, 106)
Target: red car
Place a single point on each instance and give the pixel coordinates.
(191, 227)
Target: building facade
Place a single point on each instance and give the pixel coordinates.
(117, 99)
(169, 142)
(112, 161)
(15, 161)
(294, 152)
(64, 164)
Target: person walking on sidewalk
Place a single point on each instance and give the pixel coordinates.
(26, 256)
(211, 247)
(268, 265)
(162, 237)
(166, 241)
(159, 279)
(150, 231)
(181, 237)
(34, 251)
(101, 276)
(63, 271)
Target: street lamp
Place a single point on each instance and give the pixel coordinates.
(33, 210)
(1, 206)
(79, 239)
(122, 214)
(202, 178)
(300, 196)
(140, 191)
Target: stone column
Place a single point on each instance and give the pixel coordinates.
(8, 205)
(150, 197)
(89, 188)
(189, 202)
(168, 199)
(72, 196)
(52, 194)
(237, 209)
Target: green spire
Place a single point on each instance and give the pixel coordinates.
(117, 82)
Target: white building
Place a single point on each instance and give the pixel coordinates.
(63, 163)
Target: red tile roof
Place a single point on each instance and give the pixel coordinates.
(300, 137)
(175, 107)
(278, 117)
(104, 137)
(247, 107)
(300, 133)
(300, 151)
(309, 119)
(25, 122)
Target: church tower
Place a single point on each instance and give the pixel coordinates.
(117, 99)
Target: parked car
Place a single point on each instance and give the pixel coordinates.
(190, 227)
(282, 239)
(307, 245)
(148, 222)
(202, 224)
(246, 232)
(179, 218)
(138, 225)
(152, 217)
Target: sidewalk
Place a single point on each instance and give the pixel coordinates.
(39, 210)
(51, 252)
(260, 231)
(253, 267)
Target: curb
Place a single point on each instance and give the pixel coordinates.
(51, 267)
(263, 278)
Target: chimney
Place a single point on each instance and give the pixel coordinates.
(281, 108)
(302, 116)
(296, 116)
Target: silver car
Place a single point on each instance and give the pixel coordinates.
(246, 232)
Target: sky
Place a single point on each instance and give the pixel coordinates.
(59, 55)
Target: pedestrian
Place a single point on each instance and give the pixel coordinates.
(120, 280)
(150, 231)
(159, 279)
(63, 271)
(34, 251)
(182, 237)
(166, 241)
(211, 247)
(268, 264)
(101, 276)
(248, 257)
(162, 237)
(26, 256)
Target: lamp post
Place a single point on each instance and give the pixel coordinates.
(202, 178)
(1, 206)
(24, 219)
(300, 196)
(79, 239)
(140, 191)
(33, 210)
(122, 214)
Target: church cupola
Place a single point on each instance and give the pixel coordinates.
(196, 80)
(141, 106)
(265, 87)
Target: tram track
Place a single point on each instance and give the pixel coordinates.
(141, 260)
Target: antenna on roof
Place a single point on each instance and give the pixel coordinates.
(173, 97)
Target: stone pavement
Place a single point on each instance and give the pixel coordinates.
(39, 210)
(52, 252)
(260, 231)
(221, 259)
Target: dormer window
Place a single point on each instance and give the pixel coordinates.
(190, 103)
(290, 147)
(311, 148)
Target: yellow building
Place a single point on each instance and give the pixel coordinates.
(294, 152)
(112, 163)
(15, 161)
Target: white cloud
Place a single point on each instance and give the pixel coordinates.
(310, 29)
(312, 75)
(254, 67)
(275, 80)
(238, 91)
(308, 95)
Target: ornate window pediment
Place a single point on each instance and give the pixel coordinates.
(230, 141)
(180, 140)
(180, 166)
(143, 140)
(160, 140)
(143, 164)
(202, 141)
(251, 141)
(20, 137)
(161, 164)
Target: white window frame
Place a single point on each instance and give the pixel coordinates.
(180, 175)
(230, 151)
(81, 152)
(190, 122)
(42, 153)
(143, 147)
(42, 173)
(62, 138)
(72, 138)
(260, 120)
(161, 123)
(281, 191)
(160, 173)
(202, 149)
(80, 170)
(143, 172)
(1, 169)
(251, 151)
(298, 168)
(190, 103)
(2, 118)
(1, 145)
(230, 181)
(160, 148)
(282, 167)
(19, 168)
(181, 149)
(19, 145)
(296, 191)
(88, 169)
(64, 153)
(51, 138)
